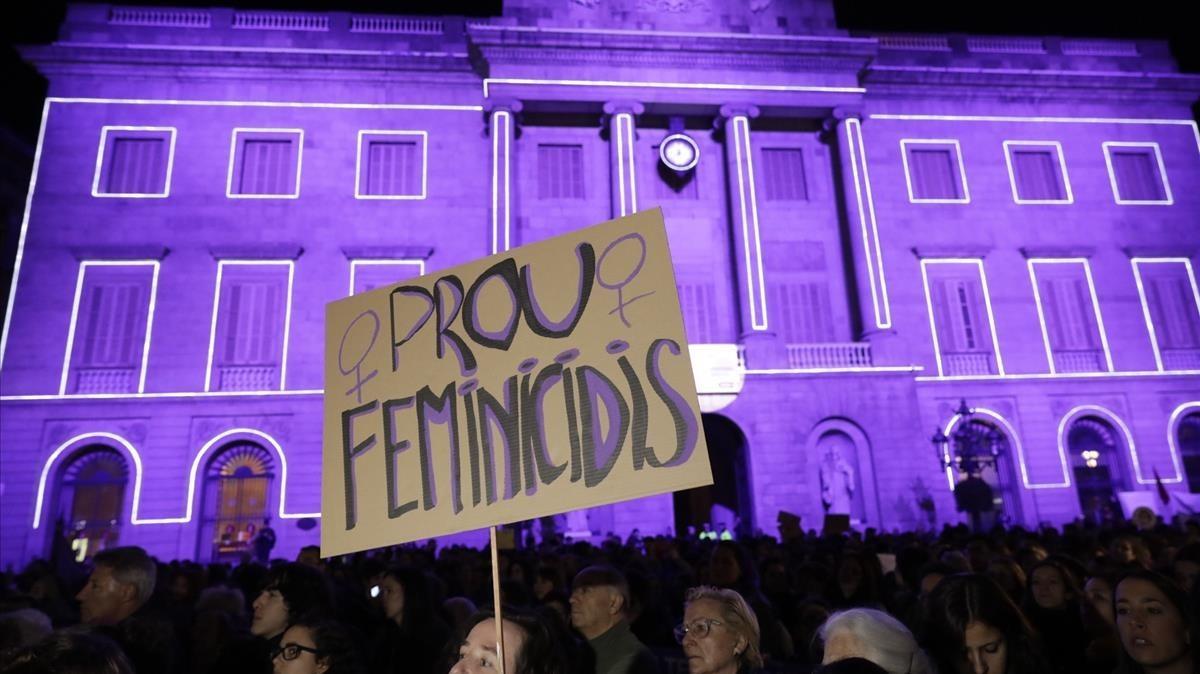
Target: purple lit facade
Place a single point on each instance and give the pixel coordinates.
(876, 228)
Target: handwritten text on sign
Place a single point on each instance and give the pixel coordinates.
(551, 377)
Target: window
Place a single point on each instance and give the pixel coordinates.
(1188, 442)
(109, 337)
(91, 499)
(933, 171)
(1037, 172)
(961, 317)
(1072, 329)
(698, 305)
(1171, 305)
(1137, 174)
(366, 275)
(250, 326)
(1095, 462)
(265, 164)
(134, 161)
(560, 172)
(801, 312)
(783, 172)
(391, 165)
(237, 488)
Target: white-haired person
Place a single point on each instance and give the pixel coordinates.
(875, 636)
(719, 633)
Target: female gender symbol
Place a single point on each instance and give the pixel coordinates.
(356, 368)
(619, 286)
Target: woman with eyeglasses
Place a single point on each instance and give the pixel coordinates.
(719, 633)
(323, 647)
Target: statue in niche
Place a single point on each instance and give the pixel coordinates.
(837, 479)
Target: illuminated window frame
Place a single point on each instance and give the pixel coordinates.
(287, 318)
(235, 151)
(77, 442)
(962, 170)
(1037, 299)
(1137, 276)
(987, 301)
(363, 135)
(355, 264)
(1062, 166)
(1168, 199)
(79, 282)
(1108, 415)
(1172, 440)
(100, 163)
(1011, 431)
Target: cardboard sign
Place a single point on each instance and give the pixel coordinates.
(551, 377)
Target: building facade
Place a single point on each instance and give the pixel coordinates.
(875, 228)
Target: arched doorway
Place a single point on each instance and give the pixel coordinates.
(727, 501)
(237, 490)
(91, 499)
(1095, 462)
(1000, 476)
(1188, 444)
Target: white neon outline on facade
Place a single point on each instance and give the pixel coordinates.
(1162, 174)
(878, 294)
(630, 156)
(400, 261)
(39, 502)
(489, 81)
(740, 141)
(1062, 167)
(79, 281)
(234, 153)
(619, 140)
(496, 117)
(1137, 277)
(266, 104)
(171, 132)
(392, 132)
(1107, 414)
(1172, 431)
(962, 170)
(987, 301)
(1012, 432)
(837, 370)
(1060, 375)
(287, 319)
(1037, 299)
(686, 139)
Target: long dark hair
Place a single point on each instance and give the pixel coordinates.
(1176, 596)
(421, 613)
(78, 650)
(334, 644)
(962, 599)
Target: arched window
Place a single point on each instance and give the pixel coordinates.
(1000, 476)
(91, 499)
(237, 489)
(1188, 436)
(1095, 461)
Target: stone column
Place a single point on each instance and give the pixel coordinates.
(621, 118)
(502, 125)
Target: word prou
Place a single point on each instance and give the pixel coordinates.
(517, 414)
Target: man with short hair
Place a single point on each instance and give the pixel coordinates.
(599, 607)
(115, 600)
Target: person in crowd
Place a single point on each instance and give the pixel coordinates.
(264, 542)
(600, 602)
(1130, 551)
(972, 627)
(719, 633)
(1054, 607)
(731, 567)
(114, 600)
(411, 639)
(23, 627)
(850, 666)
(1186, 566)
(310, 555)
(1157, 624)
(531, 646)
(1009, 575)
(291, 592)
(875, 636)
(71, 651)
(316, 647)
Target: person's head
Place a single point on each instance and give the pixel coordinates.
(875, 636)
(719, 633)
(1051, 585)
(930, 575)
(730, 565)
(529, 645)
(315, 647)
(292, 592)
(77, 651)
(1130, 551)
(1098, 592)
(1186, 566)
(310, 555)
(1155, 621)
(599, 600)
(972, 627)
(121, 581)
(406, 596)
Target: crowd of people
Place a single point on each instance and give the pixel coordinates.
(1052, 601)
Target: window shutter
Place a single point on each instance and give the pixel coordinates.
(943, 314)
(113, 319)
(785, 179)
(699, 312)
(1038, 175)
(560, 172)
(934, 175)
(137, 166)
(267, 167)
(393, 168)
(1174, 312)
(1137, 175)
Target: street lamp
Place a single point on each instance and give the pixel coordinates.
(971, 447)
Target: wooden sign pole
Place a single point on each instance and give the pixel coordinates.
(496, 600)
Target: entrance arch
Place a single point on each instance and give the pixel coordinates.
(728, 498)
(236, 500)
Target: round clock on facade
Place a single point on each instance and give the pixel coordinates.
(679, 152)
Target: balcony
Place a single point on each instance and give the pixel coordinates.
(831, 355)
(1083, 360)
(247, 378)
(105, 380)
(968, 363)
(1181, 359)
